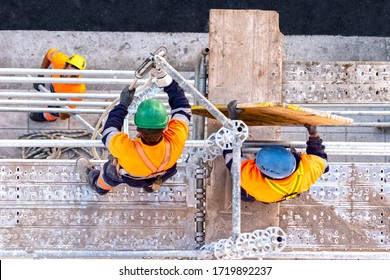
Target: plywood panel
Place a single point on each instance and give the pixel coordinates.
(277, 113)
(245, 61)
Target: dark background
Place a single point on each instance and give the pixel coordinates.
(297, 17)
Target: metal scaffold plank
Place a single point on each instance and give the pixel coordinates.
(44, 206)
(345, 211)
(336, 82)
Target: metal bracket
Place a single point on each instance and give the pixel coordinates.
(250, 245)
(149, 92)
(149, 63)
(225, 137)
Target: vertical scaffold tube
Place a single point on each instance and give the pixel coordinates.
(236, 168)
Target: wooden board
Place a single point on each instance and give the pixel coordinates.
(245, 59)
(277, 113)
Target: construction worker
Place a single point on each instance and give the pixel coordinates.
(149, 160)
(278, 174)
(60, 60)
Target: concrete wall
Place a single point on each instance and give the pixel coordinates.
(126, 50)
(117, 50)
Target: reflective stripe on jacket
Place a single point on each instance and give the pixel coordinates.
(266, 190)
(124, 149)
(58, 60)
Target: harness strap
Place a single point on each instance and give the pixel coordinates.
(102, 183)
(148, 162)
(283, 191)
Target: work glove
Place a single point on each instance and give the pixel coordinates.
(163, 79)
(36, 85)
(233, 112)
(311, 129)
(127, 96)
(64, 116)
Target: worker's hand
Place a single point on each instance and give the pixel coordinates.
(127, 96)
(36, 85)
(311, 129)
(233, 111)
(163, 79)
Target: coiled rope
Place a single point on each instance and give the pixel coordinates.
(59, 152)
(99, 126)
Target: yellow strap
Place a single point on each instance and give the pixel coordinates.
(278, 188)
(148, 162)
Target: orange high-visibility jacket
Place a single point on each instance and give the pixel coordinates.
(310, 169)
(58, 60)
(123, 148)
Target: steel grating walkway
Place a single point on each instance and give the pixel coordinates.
(46, 212)
(346, 210)
(45, 207)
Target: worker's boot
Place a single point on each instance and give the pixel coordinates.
(37, 117)
(84, 167)
(40, 117)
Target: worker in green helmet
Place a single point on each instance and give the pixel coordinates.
(149, 160)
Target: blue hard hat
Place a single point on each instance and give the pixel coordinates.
(275, 162)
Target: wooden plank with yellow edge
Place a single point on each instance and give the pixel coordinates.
(277, 113)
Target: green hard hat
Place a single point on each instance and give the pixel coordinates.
(151, 114)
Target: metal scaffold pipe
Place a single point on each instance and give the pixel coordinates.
(194, 92)
(75, 143)
(100, 81)
(89, 95)
(107, 254)
(236, 194)
(332, 148)
(39, 71)
(53, 103)
(52, 110)
(51, 95)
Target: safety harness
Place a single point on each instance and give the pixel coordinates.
(156, 171)
(283, 191)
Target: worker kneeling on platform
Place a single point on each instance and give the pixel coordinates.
(278, 174)
(149, 160)
(60, 60)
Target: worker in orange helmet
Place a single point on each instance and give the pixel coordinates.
(60, 60)
(278, 174)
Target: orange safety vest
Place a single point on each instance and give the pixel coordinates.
(288, 194)
(124, 149)
(156, 171)
(310, 169)
(58, 60)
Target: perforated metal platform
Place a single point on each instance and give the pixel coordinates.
(346, 210)
(336, 82)
(45, 207)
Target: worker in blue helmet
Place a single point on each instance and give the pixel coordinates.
(277, 173)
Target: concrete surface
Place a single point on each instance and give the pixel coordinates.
(126, 50)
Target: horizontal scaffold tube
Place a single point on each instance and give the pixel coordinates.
(39, 71)
(335, 148)
(61, 254)
(99, 81)
(53, 103)
(89, 95)
(329, 255)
